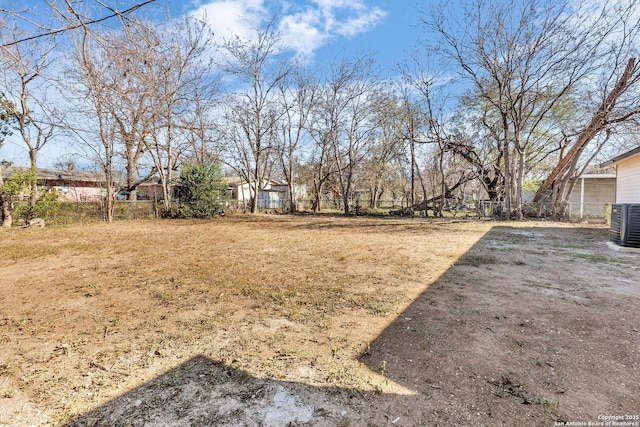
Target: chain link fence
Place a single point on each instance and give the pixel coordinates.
(70, 212)
(545, 210)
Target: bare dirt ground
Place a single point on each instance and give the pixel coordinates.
(317, 321)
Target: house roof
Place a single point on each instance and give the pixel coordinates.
(598, 176)
(175, 180)
(56, 174)
(622, 156)
(237, 180)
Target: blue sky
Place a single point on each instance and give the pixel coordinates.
(315, 29)
(320, 31)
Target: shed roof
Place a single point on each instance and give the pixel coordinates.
(598, 176)
(238, 180)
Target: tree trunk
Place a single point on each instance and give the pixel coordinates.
(598, 122)
(292, 197)
(132, 189)
(33, 197)
(3, 209)
(6, 218)
(443, 184)
(254, 190)
(109, 205)
(412, 149)
(108, 175)
(423, 186)
(373, 203)
(519, 182)
(317, 187)
(507, 167)
(345, 198)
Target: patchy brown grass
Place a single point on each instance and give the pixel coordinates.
(88, 312)
(262, 292)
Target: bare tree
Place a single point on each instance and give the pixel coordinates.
(178, 64)
(30, 58)
(297, 98)
(384, 155)
(522, 59)
(344, 124)
(429, 123)
(125, 60)
(28, 81)
(319, 162)
(412, 121)
(98, 131)
(252, 111)
(197, 122)
(71, 17)
(8, 117)
(620, 105)
(148, 79)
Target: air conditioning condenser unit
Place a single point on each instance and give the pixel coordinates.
(625, 225)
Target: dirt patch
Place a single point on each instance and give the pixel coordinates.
(272, 321)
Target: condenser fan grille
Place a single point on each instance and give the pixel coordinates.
(625, 225)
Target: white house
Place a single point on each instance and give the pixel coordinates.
(272, 195)
(628, 176)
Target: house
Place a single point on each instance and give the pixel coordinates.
(272, 195)
(592, 193)
(152, 190)
(628, 176)
(70, 185)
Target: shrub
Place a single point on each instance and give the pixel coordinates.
(10, 191)
(204, 191)
(48, 207)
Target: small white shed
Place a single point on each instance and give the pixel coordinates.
(272, 194)
(592, 193)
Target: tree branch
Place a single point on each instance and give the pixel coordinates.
(81, 24)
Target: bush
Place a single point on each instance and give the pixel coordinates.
(204, 191)
(48, 207)
(10, 192)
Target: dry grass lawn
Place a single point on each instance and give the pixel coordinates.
(210, 322)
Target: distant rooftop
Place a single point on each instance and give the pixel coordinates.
(57, 174)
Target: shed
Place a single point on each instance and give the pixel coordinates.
(272, 194)
(592, 193)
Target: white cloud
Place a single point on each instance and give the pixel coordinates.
(362, 23)
(305, 25)
(233, 17)
(336, 4)
(302, 33)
